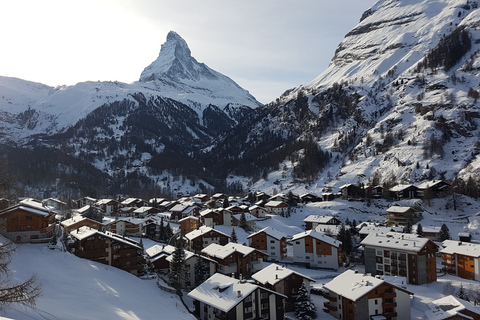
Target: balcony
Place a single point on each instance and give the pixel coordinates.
(390, 315)
(329, 306)
(329, 298)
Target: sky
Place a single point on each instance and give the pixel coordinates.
(266, 46)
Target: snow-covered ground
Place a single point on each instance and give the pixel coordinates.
(75, 288)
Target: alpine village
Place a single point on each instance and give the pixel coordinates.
(180, 196)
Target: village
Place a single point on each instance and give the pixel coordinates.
(227, 257)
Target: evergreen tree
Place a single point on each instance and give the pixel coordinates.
(419, 230)
(226, 203)
(177, 267)
(444, 233)
(408, 227)
(161, 235)
(462, 293)
(345, 236)
(202, 271)
(233, 236)
(243, 222)
(304, 307)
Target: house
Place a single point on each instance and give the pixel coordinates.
(308, 197)
(276, 207)
(373, 191)
(202, 197)
(355, 296)
(270, 241)
(249, 219)
(368, 229)
(203, 237)
(462, 236)
(401, 216)
(54, 203)
(222, 297)
(188, 224)
(431, 232)
(157, 257)
(133, 203)
(234, 258)
(27, 221)
(126, 226)
(461, 259)
(79, 221)
(403, 191)
(191, 259)
(257, 211)
(452, 308)
(399, 254)
(183, 210)
(144, 211)
(108, 248)
(328, 196)
(313, 220)
(351, 191)
(107, 206)
(213, 217)
(433, 189)
(316, 250)
(282, 280)
(86, 201)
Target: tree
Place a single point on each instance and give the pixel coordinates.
(462, 293)
(167, 232)
(345, 236)
(226, 203)
(444, 233)
(304, 307)
(243, 222)
(202, 271)
(419, 230)
(177, 267)
(408, 227)
(233, 236)
(25, 293)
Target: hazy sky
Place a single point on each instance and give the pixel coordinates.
(266, 46)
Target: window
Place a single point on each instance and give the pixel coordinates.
(264, 305)
(376, 301)
(248, 299)
(272, 241)
(297, 242)
(379, 253)
(28, 217)
(307, 257)
(28, 228)
(272, 247)
(248, 309)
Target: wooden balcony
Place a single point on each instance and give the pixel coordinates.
(327, 305)
(329, 298)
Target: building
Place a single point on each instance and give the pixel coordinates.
(107, 206)
(403, 191)
(276, 207)
(270, 241)
(79, 221)
(399, 254)
(234, 258)
(313, 220)
(222, 297)
(401, 216)
(126, 226)
(282, 280)
(191, 260)
(27, 221)
(352, 191)
(108, 248)
(452, 308)
(257, 211)
(356, 296)
(188, 224)
(203, 237)
(433, 189)
(316, 250)
(461, 259)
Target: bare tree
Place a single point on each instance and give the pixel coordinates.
(25, 293)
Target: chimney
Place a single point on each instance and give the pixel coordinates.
(276, 276)
(239, 293)
(276, 268)
(233, 274)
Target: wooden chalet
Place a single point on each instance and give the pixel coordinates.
(403, 192)
(313, 220)
(78, 221)
(203, 237)
(270, 241)
(188, 224)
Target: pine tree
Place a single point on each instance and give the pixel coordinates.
(202, 271)
(233, 236)
(177, 267)
(345, 236)
(408, 227)
(419, 230)
(304, 307)
(168, 233)
(462, 293)
(243, 222)
(444, 233)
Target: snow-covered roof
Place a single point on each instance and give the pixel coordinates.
(429, 184)
(314, 218)
(399, 209)
(73, 220)
(448, 307)
(464, 248)
(188, 218)
(248, 217)
(188, 255)
(222, 291)
(273, 203)
(32, 206)
(319, 236)
(85, 232)
(256, 207)
(221, 252)
(401, 187)
(396, 240)
(271, 232)
(275, 273)
(143, 209)
(372, 229)
(128, 219)
(353, 285)
(201, 231)
(157, 249)
(84, 209)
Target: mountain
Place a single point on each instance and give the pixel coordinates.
(397, 104)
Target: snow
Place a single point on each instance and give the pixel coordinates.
(275, 273)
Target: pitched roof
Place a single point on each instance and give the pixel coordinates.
(86, 232)
(319, 236)
(271, 232)
(32, 206)
(353, 285)
(275, 273)
(448, 307)
(318, 219)
(464, 248)
(399, 209)
(396, 240)
(201, 231)
(221, 252)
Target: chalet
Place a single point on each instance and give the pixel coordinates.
(249, 219)
(452, 308)
(431, 232)
(373, 191)
(282, 280)
(399, 254)
(461, 259)
(353, 295)
(54, 203)
(203, 237)
(235, 258)
(144, 211)
(133, 202)
(401, 216)
(308, 197)
(223, 297)
(368, 229)
(313, 220)
(257, 211)
(270, 241)
(78, 221)
(191, 260)
(219, 196)
(403, 192)
(125, 212)
(203, 198)
(352, 191)
(433, 189)
(181, 211)
(157, 257)
(462, 236)
(328, 196)
(86, 201)
(107, 206)
(276, 207)
(126, 226)
(108, 248)
(27, 221)
(317, 250)
(188, 224)
(212, 217)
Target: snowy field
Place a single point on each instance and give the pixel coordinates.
(75, 288)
